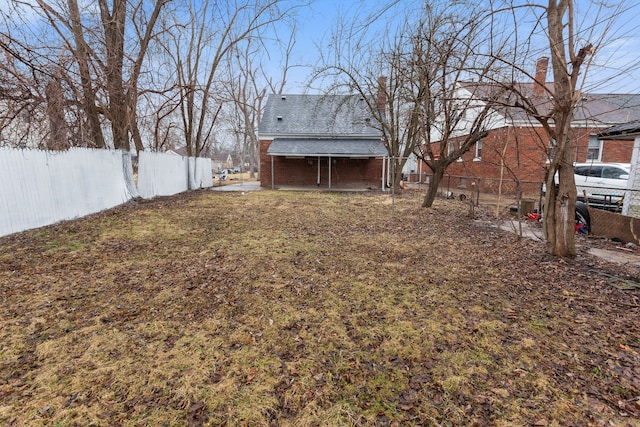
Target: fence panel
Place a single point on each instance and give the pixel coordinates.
(43, 187)
(161, 174)
(200, 174)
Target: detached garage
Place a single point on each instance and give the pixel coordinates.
(328, 141)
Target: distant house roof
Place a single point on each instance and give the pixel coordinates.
(599, 109)
(318, 116)
(182, 151)
(222, 157)
(327, 147)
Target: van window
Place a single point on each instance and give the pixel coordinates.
(588, 170)
(614, 173)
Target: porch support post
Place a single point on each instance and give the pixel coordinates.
(318, 180)
(329, 172)
(384, 159)
(272, 175)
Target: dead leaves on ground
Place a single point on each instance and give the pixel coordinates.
(280, 308)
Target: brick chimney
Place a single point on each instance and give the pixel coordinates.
(541, 76)
(382, 94)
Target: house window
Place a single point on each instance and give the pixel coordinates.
(450, 148)
(463, 183)
(594, 151)
(478, 155)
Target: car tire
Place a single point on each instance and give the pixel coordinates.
(582, 215)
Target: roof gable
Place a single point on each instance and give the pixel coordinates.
(317, 116)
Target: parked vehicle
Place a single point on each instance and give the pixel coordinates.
(583, 220)
(601, 183)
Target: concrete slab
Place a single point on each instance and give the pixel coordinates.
(241, 186)
(536, 233)
(619, 256)
(529, 230)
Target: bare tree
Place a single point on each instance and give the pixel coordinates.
(101, 85)
(372, 66)
(199, 52)
(41, 97)
(412, 81)
(553, 108)
(249, 84)
(450, 115)
(69, 21)
(59, 131)
(567, 61)
(21, 98)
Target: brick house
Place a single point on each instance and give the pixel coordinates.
(327, 141)
(516, 148)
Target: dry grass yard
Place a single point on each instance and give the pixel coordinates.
(310, 309)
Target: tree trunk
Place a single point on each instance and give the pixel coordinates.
(59, 131)
(135, 133)
(81, 55)
(113, 23)
(559, 219)
(438, 173)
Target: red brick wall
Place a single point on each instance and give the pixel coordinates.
(345, 172)
(524, 152)
(612, 151)
(617, 151)
(265, 163)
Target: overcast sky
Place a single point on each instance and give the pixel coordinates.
(615, 67)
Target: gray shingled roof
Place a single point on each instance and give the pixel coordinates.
(317, 116)
(603, 109)
(609, 108)
(327, 147)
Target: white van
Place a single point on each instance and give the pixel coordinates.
(602, 181)
(601, 184)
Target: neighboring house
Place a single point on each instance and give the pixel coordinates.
(517, 146)
(219, 161)
(182, 151)
(326, 141)
(222, 161)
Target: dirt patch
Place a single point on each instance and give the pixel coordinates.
(288, 308)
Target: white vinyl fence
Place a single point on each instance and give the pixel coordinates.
(39, 188)
(161, 174)
(200, 172)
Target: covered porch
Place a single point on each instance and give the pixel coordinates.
(327, 163)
